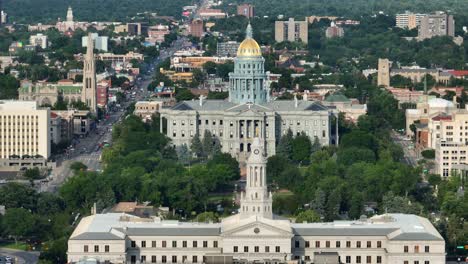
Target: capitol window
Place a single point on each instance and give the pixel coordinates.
(358, 259)
(277, 249)
(246, 249)
(195, 244)
(235, 249)
(256, 249)
(267, 249)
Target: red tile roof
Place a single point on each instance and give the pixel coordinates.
(459, 72)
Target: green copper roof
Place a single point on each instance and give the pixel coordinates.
(69, 89)
(336, 98)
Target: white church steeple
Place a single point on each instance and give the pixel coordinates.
(256, 200)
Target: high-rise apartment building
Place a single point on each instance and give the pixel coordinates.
(3, 17)
(88, 92)
(291, 31)
(333, 31)
(246, 10)
(227, 49)
(39, 40)
(408, 20)
(196, 28)
(24, 130)
(100, 42)
(437, 24)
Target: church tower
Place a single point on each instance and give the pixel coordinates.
(256, 200)
(88, 92)
(247, 84)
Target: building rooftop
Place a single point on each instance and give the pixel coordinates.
(116, 226)
(9, 105)
(220, 105)
(113, 226)
(394, 226)
(337, 97)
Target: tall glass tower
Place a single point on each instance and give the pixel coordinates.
(247, 82)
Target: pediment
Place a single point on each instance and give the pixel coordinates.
(249, 107)
(258, 228)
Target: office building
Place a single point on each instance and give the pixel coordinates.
(292, 31)
(247, 10)
(100, 42)
(437, 24)
(196, 28)
(333, 31)
(255, 235)
(24, 132)
(39, 40)
(227, 49)
(248, 112)
(408, 20)
(146, 109)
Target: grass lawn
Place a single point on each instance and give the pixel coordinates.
(11, 245)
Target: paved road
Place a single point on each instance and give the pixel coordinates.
(21, 257)
(411, 156)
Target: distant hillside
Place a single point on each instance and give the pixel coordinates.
(24, 11)
(348, 8)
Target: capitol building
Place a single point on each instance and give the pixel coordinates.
(249, 111)
(255, 235)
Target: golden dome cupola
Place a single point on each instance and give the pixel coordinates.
(249, 47)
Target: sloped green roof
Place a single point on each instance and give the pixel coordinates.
(69, 89)
(336, 98)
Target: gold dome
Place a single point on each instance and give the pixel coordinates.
(249, 48)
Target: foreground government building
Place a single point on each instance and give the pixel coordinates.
(255, 235)
(249, 112)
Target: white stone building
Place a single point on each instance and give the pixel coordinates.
(248, 113)
(255, 235)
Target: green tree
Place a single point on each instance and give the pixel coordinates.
(18, 223)
(301, 148)
(78, 166)
(207, 142)
(207, 217)
(284, 147)
(33, 173)
(196, 146)
(184, 155)
(9, 87)
(309, 216)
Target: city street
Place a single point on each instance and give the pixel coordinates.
(86, 150)
(20, 257)
(410, 154)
